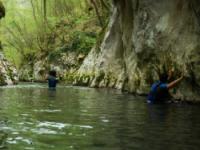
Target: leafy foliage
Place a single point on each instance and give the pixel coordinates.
(37, 28)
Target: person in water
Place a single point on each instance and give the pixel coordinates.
(52, 80)
(159, 92)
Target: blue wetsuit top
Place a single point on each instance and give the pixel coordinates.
(158, 93)
(52, 81)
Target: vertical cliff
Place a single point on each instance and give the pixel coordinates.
(143, 38)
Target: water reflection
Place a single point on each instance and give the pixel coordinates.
(52, 93)
(3, 137)
(91, 119)
(158, 112)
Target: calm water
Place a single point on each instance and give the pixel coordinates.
(74, 118)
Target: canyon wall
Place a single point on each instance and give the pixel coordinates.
(143, 39)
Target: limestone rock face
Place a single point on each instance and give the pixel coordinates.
(8, 73)
(145, 37)
(65, 66)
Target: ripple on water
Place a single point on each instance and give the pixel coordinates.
(85, 126)
(45, 131)
(29, 148)
(53, 124)
(25, 115)
(103, 119)
(23, 86)
(18, 139)
(5, 128)
(61, 125)
(25, 123)
(48, 110)
(15, 133)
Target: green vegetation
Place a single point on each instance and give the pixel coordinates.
(35, 29)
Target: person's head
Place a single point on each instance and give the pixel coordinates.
(52, 73)
(163, 77)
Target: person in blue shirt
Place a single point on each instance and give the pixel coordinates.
(159, 92)
(52, 80)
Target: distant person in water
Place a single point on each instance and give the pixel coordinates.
(52, 80)
(159, 92)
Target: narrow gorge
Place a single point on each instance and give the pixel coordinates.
(99, 74)
(144, 38)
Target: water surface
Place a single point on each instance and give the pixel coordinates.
(76, 118)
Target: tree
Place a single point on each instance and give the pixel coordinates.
(45, 9)
(2, 10)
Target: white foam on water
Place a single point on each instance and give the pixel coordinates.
(27, 141)
(23, 86)
(53, 124)
(7, 129)
(15, 133)
(23, 123)
(48, 110)
(85, 126)
(29, 148)
(24, 115)
(105, 120)
(11, 142)
(44, 131)
(19, 138)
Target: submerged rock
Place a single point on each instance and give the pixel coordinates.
(144, 37)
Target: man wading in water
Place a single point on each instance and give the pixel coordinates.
(159, 92)
(52, 80)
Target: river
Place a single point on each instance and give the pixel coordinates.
(77, 118)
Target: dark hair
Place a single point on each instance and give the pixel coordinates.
(52, 73)
(163, 77)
